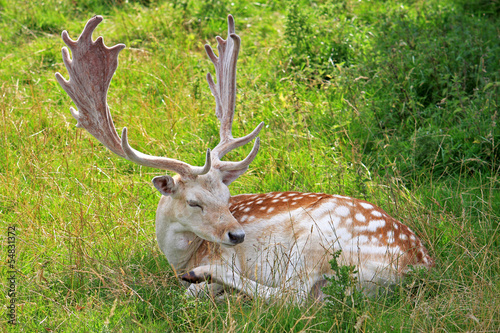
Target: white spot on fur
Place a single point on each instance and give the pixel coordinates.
(246, 210)
(362, 239)
(412, 237)
(243, 218)
(376, 213)
(390, 237)
(348, 221)
(343, 233)
(259, 202)
(270, 209)
(328, 206)
(333, 221)
(375, 224)
(263, 208)
(342, 211)
(366, 205)
(360, 217)
(403, 237)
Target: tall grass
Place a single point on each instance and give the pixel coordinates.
(395, 103)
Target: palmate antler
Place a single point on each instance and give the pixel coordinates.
(91, 70)
(224, 93)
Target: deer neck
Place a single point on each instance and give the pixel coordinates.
(178, 244)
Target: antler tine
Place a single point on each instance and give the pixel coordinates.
(90, 71)
(242, 165)
(224, 93)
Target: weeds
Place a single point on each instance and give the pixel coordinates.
(316, 42)
(344, 300)
(418, 87)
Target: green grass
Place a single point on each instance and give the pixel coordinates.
(395, 103)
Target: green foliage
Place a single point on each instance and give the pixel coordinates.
(418, 283)
(419, 86)
(315, 40)
(208, 17)
(431, 94)
(343, 298)
(482, 7)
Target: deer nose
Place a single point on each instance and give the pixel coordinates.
(236, 237)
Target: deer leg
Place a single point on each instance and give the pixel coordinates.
(204, 289)
(227, 277)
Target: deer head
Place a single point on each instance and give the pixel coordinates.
(197, 197)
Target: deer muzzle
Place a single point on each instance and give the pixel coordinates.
(236, 237)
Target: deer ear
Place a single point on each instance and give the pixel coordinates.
(228, 176)
(165, 184)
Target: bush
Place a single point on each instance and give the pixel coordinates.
(426, 91)
(315, 40)
(343, 298)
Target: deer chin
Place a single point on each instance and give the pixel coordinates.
(227, 245)
(230, 239)
(216, 240)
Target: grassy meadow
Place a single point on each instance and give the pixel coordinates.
(394, 102)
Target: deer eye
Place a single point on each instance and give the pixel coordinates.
(192, 203)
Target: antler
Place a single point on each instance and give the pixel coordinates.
(224, 93)
(91, 70)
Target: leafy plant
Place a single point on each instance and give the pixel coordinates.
(314, 43)
(430, 99)
(343, 298)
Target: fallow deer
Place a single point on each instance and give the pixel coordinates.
(264, 245)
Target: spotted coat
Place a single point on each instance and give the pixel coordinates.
(290, 237)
